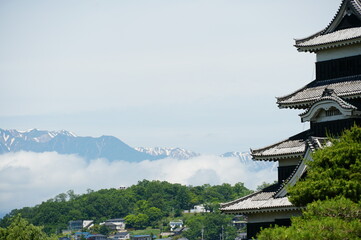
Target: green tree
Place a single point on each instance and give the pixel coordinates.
(19, 228)
(154, 214)
(334, 171)
(212, 225)
(138, 221)
(337, 219)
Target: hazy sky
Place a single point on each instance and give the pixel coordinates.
(197, 74)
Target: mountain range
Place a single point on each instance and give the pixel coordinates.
(108, 147)
(64, 142)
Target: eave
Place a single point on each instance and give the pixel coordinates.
(346, 88)
(293, 147)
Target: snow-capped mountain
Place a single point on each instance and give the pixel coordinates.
(64, 142)
(177, 153)
(108, 147)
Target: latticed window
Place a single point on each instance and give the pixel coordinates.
(333, 112)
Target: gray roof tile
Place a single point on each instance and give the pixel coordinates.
(294, 146)
(338, 38)
(259, 201)
(304, 97)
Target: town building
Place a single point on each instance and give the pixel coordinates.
(117, 224)
(141, 237)
(175, 224)
(78, 225)
(120, 236)
(331, 104)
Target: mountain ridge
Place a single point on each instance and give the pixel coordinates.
(65, 142)
(108, 147)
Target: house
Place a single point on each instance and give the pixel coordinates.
(331, 104)
(117, 224)
(141, 237)
(197, 209)
(96, 237)
(175, 224)
(81, 235)
(120, 236)
(78, 225)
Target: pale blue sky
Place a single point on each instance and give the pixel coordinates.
(202, 75)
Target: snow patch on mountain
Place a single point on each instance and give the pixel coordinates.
(176, 153)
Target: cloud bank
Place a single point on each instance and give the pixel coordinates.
(28, 178)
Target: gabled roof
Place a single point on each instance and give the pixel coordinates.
(325, 103)
(294, 146)
(344, 29)
(345, 87)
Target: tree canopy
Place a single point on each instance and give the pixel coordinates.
(334, 171)
(212, 226)
(338, 219)
(143, 204)
(19, 228)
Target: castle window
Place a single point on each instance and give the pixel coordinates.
(333, 112)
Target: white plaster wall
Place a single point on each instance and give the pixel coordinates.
(335, 53)
(271, 216)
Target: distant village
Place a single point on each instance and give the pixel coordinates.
(80, 229)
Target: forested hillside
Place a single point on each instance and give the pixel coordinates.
(144, 204)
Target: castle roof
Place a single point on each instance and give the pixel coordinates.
(345, 87)
(294, 146)
(274, 198)
(261, 201)
(344, 29)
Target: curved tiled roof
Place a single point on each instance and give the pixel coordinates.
(339, 38)
(328, 37)
(292, 147)
(262, 201)
(284, 149)
(348, 87)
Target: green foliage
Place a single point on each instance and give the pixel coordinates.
(212, 225)
(144, 204)
(19, 228)
(332, 193)
(335, 171)
(337, 219)
(138, 221)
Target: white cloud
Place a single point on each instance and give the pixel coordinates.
(28, 178)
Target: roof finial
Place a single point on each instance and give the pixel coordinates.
(328, 92)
